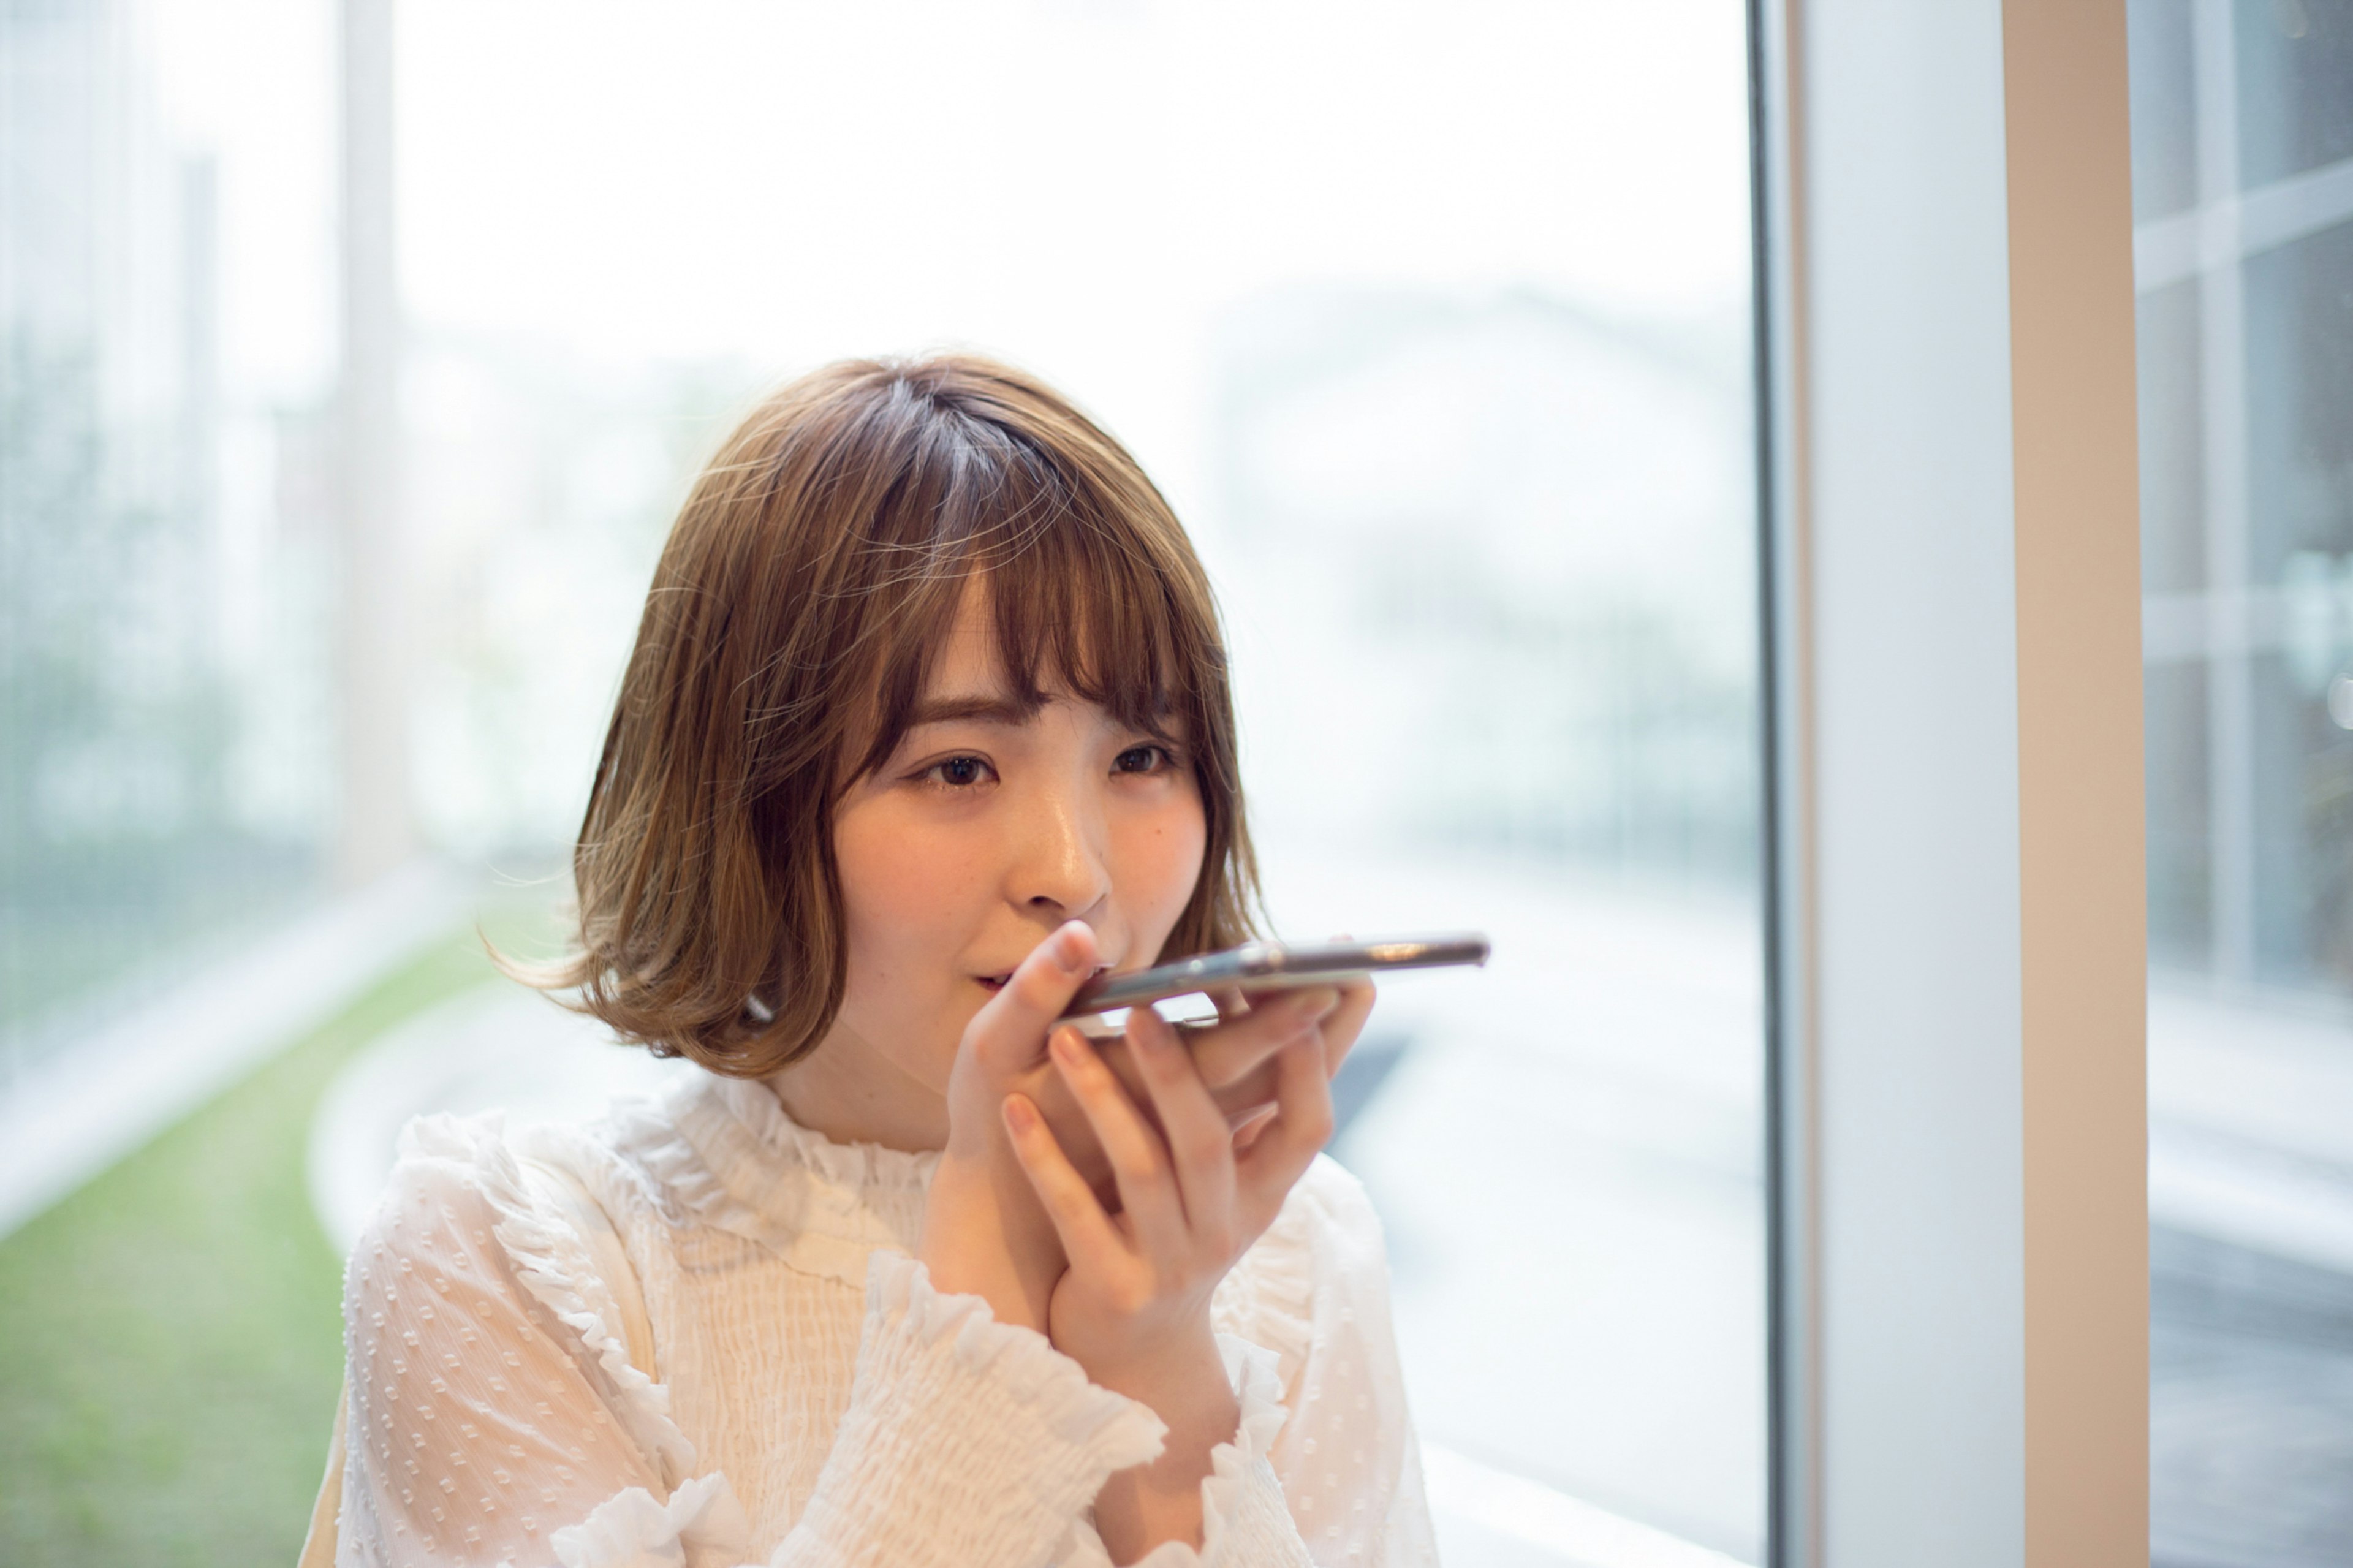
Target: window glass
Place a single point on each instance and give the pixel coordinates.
(1432, 321)
(2246, 385)
(2180, 869)
(2299, 381)
(2165, 155)
(2172, 476)
(2292, 59)
(162, 754)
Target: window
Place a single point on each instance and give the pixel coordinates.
(165, 780)
(1434, 324)
(1434, 320)
(2243, 175)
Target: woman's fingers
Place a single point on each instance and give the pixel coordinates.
(1199, 1138)
(1069, 1202)
(1147, 1187)
(1227, 1053)
(1248, 1125)
(1007, 1030)
(1346, 1021)
(1300, 1125)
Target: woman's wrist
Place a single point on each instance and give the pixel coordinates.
(1181, 1375)
(1183, 1380)
(977, 1243)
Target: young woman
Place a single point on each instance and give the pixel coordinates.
(927, 724)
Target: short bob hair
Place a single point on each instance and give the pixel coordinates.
(806, 588)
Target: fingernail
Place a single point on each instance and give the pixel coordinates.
(1064, 1044)
(1067, 949)
(1019, 1114)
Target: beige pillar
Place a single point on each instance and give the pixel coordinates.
(2084, 899)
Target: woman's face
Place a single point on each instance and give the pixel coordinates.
(984, 830)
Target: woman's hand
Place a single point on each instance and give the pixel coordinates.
(984, 1233)
(1132, 1307)
(1235, 1057)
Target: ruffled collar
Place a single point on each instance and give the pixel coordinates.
(727, 1152)
(723, 1154)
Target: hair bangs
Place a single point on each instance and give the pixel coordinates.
(1079, 600)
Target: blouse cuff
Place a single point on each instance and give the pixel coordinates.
(968, 1441)
(630, 1530)
(1244, 1518)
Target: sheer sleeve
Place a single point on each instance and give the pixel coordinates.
(494, 1416)
(1325, 1469)
(482, 1421)
(1348, 1460)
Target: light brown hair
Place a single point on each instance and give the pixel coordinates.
(803, 595)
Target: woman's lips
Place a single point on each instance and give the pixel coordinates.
(995, 982)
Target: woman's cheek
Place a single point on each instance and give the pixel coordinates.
(1170, 864)
(890, 900)
(887, 865)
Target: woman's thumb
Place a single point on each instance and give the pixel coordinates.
(1039, 990)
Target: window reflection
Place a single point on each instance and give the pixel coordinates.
(2292, 59)
(2243, 135)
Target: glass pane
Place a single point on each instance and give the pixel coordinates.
(2246, 379)
(158, 799)
(1543, 728)
(2181, 855)
(2294, 57)
(2299, 369)
(1433, 323)
(2172, 466)
(2165, 145)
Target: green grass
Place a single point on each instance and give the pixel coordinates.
(171, 1337)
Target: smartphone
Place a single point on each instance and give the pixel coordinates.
(1275, 966)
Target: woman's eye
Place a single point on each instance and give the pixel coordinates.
(957, 773)
(1143, 760)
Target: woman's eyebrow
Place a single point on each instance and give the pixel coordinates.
(988, 709)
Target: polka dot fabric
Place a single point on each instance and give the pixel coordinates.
(800, 1395)
(475, 1429)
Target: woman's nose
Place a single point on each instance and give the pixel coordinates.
(1059, 868)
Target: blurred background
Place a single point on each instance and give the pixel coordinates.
(2243, 205)
(356, 355)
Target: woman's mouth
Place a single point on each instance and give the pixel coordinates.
(996, 983)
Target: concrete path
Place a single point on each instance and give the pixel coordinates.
(92, 1097)
(499, 1046)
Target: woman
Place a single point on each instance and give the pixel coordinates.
(927, 724)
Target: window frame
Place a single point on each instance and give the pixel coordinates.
(1956, 944)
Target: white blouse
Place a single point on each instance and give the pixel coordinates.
(692, 1333)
